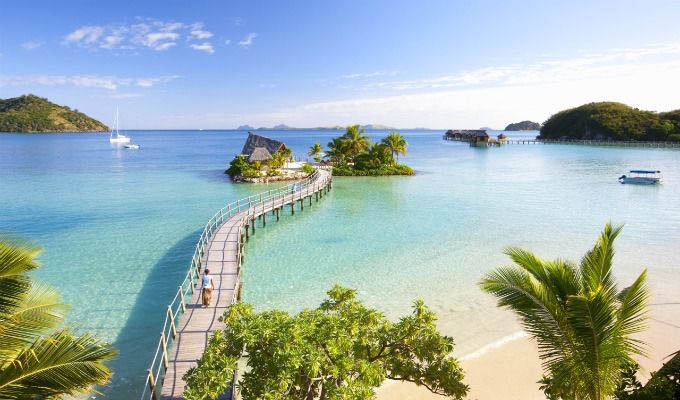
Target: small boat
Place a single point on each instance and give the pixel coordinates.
(642, 177)
(131, 146)
(118, 138)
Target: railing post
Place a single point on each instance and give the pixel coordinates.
(152, 384)
(164, 345)
(191, 280)
(181, 299)
(171, 317)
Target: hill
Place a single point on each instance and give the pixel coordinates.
(612, 121)
(523, 126)
(31, 113)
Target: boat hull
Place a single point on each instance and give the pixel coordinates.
(640, 181)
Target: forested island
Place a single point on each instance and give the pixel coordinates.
(31, 113)
(523, 126)
(612, 121)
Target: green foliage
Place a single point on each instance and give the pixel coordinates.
(315, 150)
(278, 159)
(395, 143)
(663, 384)
(612, 121)
(240, 166)
(340, 350)
(31, 113)
(307, 169)
(523, 126)
(583, 325)
(354, 155)
(35, 362)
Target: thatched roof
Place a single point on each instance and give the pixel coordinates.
(256, 141)
(259, 154)
(502, 136)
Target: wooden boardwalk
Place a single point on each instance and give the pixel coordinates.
(222, 253)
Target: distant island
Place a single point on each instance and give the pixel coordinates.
(486, 128)
(284, 127)
(612, 121)
(31, 113)
(523, 126)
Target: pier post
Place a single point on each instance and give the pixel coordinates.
(181, 299)
(247, 234)
(292, 207)
(252, 226)
(152, 384)
(264, 218)
(164, 345)
(277, 214)
(302, 204)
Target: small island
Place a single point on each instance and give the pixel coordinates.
(264, 160)
(30, 113)
(523, 126)
(353, 154)
(612, 121)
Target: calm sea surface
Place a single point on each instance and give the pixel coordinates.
(118, 226)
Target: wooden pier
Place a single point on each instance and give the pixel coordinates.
(188, 326)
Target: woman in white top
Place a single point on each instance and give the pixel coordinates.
(207, 287)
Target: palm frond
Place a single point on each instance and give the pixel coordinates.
(56, 365)
(596, 265)
(16, 259)
(40, 310)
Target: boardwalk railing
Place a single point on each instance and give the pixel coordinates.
(250, 205)
(618, 143)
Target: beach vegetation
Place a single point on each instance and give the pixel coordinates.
(307, 169)
(39, 358)
(353, 154)
(340, 350)
(663, 384)
(315, 151)
(583, 324)
(612, 121)
(396, 144)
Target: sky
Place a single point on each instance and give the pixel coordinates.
(436, 64)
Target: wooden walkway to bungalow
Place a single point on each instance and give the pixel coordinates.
(188, 326)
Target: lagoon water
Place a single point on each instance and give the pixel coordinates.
(118, 227)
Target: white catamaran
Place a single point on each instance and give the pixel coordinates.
(642, 177)
(118, 138)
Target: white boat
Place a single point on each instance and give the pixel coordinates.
(131, 146)
(642, 177)
(118, 138)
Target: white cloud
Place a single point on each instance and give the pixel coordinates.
(84, 35)
(206, 47)
(93, 81)
(227, 42)
(248, 40)
(370, 74)
(121, 96)
(31, 45)
(145, 33)
(200, 34)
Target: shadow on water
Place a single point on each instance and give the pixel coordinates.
(135, 345)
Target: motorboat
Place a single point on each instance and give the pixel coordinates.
(642, 177)
(118, 138)
(131, 146)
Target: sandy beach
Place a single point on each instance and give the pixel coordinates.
(510, 371)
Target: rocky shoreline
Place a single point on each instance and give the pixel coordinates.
(269, 179)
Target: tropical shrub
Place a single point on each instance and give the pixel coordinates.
(340, 350)
(307, 169)
(37, 362)
(583, 324)
(663, 384)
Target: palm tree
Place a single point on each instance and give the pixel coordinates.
(355, 141)
(580, 320)
(337, 150)
(396, 143)
(315, 151)
(34, 362)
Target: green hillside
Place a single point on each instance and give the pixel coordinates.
(612, 121)
(523, 126)
(31, 113)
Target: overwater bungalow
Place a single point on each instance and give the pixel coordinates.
(502, 138)
(476, 137)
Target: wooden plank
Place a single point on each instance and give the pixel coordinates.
(196, 325)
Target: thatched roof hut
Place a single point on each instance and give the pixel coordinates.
(256, 141)
(502, 137)
(259, 154)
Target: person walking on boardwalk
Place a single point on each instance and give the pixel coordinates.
(207, 287)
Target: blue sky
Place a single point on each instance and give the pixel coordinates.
(219, 64)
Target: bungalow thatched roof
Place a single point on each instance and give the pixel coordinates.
(259, 154)
(502, 136)
(256, 141)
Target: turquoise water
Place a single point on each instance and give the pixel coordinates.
(118, 226)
